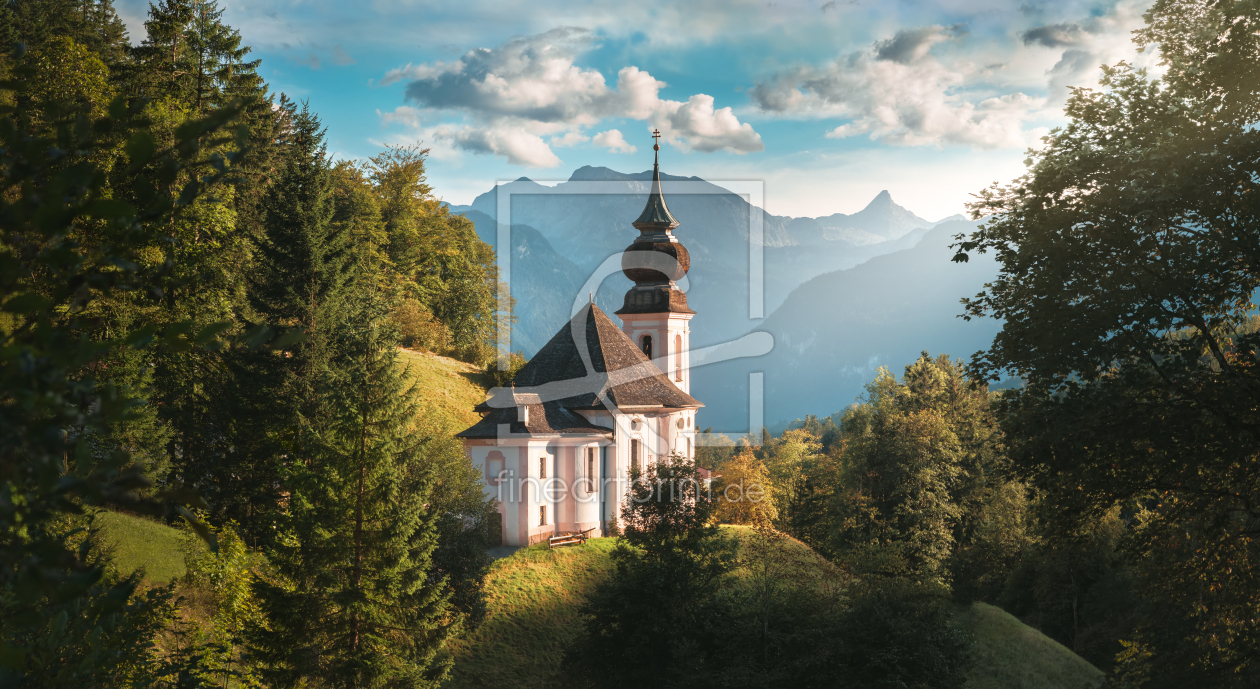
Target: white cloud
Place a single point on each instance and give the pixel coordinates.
(898, 92)
(517, 145)
(697, 126)
(529, 87)
(1087, 44)
(569, 139)
(613, 141)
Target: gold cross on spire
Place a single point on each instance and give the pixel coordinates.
(656, 139)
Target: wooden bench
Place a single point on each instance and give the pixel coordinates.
(569, 538)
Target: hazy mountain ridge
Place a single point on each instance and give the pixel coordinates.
(833, 332)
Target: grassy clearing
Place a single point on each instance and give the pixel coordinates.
(449, 389)
(137, 543)
(1012, 655)
(534, 597)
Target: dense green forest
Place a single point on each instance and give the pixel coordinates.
(201, 320)
(202, 314)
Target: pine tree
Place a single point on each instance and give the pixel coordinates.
(304, 262)
(352, 604)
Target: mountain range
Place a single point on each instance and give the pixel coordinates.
(842, 294)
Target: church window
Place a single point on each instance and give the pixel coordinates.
(636, 454)
(678, 357)
(542, 515)
(590, 468)
(542, 467)
(494, 467)
(688, 447)
(645, 343)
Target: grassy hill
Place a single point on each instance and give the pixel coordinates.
(1010, 654)
(534, 596)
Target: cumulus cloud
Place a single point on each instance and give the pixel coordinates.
(519, 146)
(531, 87)
(696, 125)
(1086, 44)
(613, 141)
(897, 92)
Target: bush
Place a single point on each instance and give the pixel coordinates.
(419, 329)
(504, 377)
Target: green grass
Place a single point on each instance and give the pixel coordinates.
(137, 543)
(534, 595)
(449, 389)
(1012, 655)
(533, 599)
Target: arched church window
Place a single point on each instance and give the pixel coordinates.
(678, 357)
(646, 345)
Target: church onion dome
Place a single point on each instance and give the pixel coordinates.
(656, 260)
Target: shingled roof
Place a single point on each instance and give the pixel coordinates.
(630, 379)
(544, 419)
(560, 378)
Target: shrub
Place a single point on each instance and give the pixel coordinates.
(419, 329)
(504, 377)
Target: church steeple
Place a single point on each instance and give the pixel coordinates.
(656, 260)
(655, 315)
(656, 215)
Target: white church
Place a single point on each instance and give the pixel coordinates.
(556, 449)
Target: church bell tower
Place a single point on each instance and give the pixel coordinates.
(655, 315)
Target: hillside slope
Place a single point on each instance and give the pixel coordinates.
(534, 597)
(449, 388)
(1012, 655)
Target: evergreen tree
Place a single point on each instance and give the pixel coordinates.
(351, 604)
(63, 620)
(304, 261)
(91, 23)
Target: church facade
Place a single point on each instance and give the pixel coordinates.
(557, 448)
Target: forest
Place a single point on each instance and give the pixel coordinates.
(202, 321)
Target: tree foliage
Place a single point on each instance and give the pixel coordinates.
(1128, 268)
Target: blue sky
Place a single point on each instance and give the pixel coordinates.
(827, 101)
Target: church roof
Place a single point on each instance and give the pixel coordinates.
(544, 419)
(616, 366)
(559, 378)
